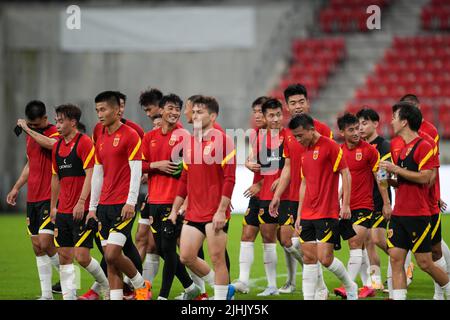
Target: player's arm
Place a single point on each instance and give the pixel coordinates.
(420, 177)
(96, 188)
(300, 204)
(42, 140)
(346, 190)
(283, 183)
(128, 209)
(181, 196)
(55, 185)
(23, 178)
(78, 210)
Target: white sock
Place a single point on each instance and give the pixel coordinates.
(339, 271)
(150, 266)
(446, 254)
(220, 292)
(210, 278)
(116, 294)
(67, 279)
(55, 261)
(44, 267)
(295, 253)
(137, 281)
(320, 281)
(127, 281)
(364, 270)
(287, 259)
(354, 263)
(190, 288)
(97, 287)
(389, 281)
(198, 281)
(399, 294)
(96, 271)
(270, 264)
(375, 273)
(246, 257)
(438, 291)
(446, 289)
(161, 298)
(309, 280)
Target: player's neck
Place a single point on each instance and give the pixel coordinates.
(70, 136)
(408, 135)
(316, 137)
(166, 127)
(114, 126)
(372, 137)
(352, 145)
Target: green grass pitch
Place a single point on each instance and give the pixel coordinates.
(19, 278)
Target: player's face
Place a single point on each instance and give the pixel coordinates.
(122, 107)
(38, 123)
(304, 136)
(201, 117)
(151, 111)
(259, 117)
(106, 113)
(397, 124)
(157, 123)
(64, 125)
(171, 113)
(297, 104)
(351, 133)
(274, 118)
(188, 111)
(367, 128)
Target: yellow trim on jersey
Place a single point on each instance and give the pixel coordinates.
(244, 223)
(424, 160)
(380, 219)
(436, 139)
(228, 157)
(46, 222)
(435, 150)
(327, 237)
(54, 135)
(185, 166)
(28, 230)
(375, 167)
(433, 233)
(261, 221)
(386, 156)
(143, 157)
(419, 242)
(338, 161)
(153, 230)
(331, 134)
(135, 150)
(389, 243)
(363, 219)
(96, 160)
(99, 235)
(301, 240)
(89, 157)
(85, 235)
(53, 171)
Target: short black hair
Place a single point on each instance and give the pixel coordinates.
(346, 120)
(411, 98)
(35, 109)
(409, 112)
(259, 101)
(157, 116)
(122, 96)
(295, 89)
(301, 120)
(194, 97)
(368, 114)
(150, 97)
(173, 98)
(72, 112)
(271, 103)
(210, 102)
(110, 97)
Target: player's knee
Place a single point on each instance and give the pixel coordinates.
(286, 242)
(83, 258)
(187, 259)
(326, 260)
(425, 264)
(111, 257)
(436, 252)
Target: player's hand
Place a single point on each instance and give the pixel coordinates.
(12, 197)
(127, 212)
(165, 166)
(53, 212)
(252, 166)
(78, 211)
(298, 227)
(23, 124)
(345, 212)
(144, 179)
(273, 207)
(388, 166)
(274, 185)
(219, 220)
(442, 205)
(182, 210)
(173, 217)
(91, 214)
(252, 191)
(387, 211)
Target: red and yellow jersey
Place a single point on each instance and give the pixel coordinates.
(323, 129)
(294, 151)
(99, 128)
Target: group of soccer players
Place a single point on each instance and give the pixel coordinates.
(84, 188)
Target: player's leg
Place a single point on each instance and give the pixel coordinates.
(310, 259)
(217, 242)
(269, 238)
(436, 253)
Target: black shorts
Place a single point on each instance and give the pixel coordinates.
(409, 233)
(70, 233)
(251, 215)
(161, 222)
(201, 226)
(145, 211)
(377, 220)
(38, 218)
(361, 217)
(323, 230)
(284, 216)
(436, 233)
(110, 221)
(293, 209)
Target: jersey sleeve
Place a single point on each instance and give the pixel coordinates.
(336, 156)
(385, 151)
(51, 132)
(397, 145)
(374, 158)
(286, 152)
(423, 156)
(54, 168)
(86, 152)
(229, 167)
(134, 149)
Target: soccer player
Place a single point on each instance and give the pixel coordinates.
(208, 177)
(114, 192)
(37, 174)
(318, 210)
(409, 226)
(149, 101)
(368, 125)
(250, 222)
(297, 102)
(161, 148)
(362, 160)
(72, 163)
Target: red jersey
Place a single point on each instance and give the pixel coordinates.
(114, 151)
(40, 165)
(253, 146)
(218, 127)
(321, 164)
(323, 129)
(99, 129)
(362, 162)
(158, 146)
(431, 130)
(209, 173)
(71, 184)
(271, 157)
(416, 156)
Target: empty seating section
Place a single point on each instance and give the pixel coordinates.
(436, 15)
(347, 15)
(419, 65)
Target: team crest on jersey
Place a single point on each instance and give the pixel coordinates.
(316, 153)
(116, 141)
(390, 233)
(358, 154)
(172, 140)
